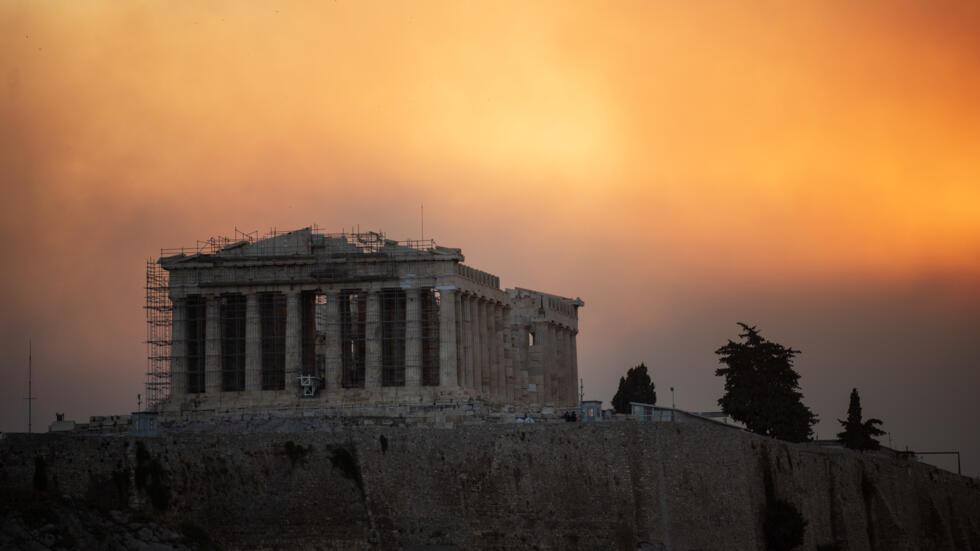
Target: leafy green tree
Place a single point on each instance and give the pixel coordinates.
(635, 387)
(858, 434)
(761, 388)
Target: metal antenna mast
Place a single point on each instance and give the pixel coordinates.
(30, 394)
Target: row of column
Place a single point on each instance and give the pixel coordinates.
(497, 361)
(478, 349)
(558, 363)
(213, 343)
(447, 351)
(486, 355)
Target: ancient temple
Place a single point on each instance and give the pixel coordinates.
(355, 318)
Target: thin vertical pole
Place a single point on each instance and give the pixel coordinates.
(30, 380)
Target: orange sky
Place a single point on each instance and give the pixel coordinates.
(810, 167)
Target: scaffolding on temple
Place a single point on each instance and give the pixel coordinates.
(159, 319)
(158, 338)
(218, 353)
(214, 244)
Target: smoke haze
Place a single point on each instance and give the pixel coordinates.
(810, 169)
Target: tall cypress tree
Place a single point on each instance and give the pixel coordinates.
(635, 387)
(859, 434)
(761, 388)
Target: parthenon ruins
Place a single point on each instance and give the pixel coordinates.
(346, 319)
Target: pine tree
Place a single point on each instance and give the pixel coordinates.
(858, 434)
(635, 387)
(761, 388)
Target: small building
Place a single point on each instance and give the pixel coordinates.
(145, 423)
(650, 412)
(654, 413)
(591, 410)
(60, 424)
(110, 423)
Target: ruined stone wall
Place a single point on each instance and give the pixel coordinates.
(546, 486)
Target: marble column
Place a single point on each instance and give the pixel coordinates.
(522, 365)
(178, 347)
(372, 345)
(562, 353)
(556, 364)
(484, 378)
(467, 304)
(447, 337)
(501, 354)
(542, 340)
(553, 360)
(477, 348)
(559, 364)
(511, 356)
(413, 338)
(538, 361)
(508, 347)
(294, 356)
(573, 349)
(333, 375)
(212, 345)
(458, 331)
(493, 391)
(253, 343)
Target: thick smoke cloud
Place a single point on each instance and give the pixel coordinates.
(810, 169)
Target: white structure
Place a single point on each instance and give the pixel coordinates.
(353, 319)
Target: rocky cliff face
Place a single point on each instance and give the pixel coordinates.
(546, 486)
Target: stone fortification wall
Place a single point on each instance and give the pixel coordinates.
(544, 486)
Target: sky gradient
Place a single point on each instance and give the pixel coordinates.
(812, 168)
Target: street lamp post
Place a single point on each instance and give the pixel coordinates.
(673, 403)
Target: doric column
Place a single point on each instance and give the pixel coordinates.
(293, 340)
(458, 331)
(483, 377)
(558, 375)
(477, 347)
(568, 384)
(501, 368)
(253, 343)
(212, 346)
(543, 336)
(573, 362)
(537, 364)
(372, 345)
(562, 353)
(571, 379)
(507, 337)
(333, 360)
(467, 307)
(543, 356)
(556, 361)
(490, 354)
(553, 370)
(522, 365)
(413, 338)
(572, 370)
(492, 351)
(447, 337)
(178, 347)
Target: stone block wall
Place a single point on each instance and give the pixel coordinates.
(545, 486)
